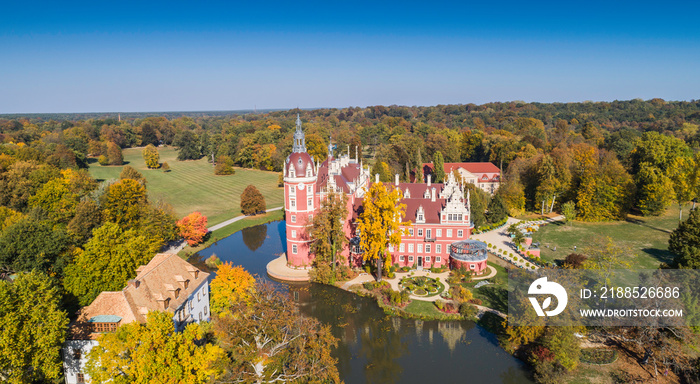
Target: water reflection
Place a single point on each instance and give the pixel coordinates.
(254, 237)
(373, 347)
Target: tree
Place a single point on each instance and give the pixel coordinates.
(165, 167)
(513, 195)
(193, 228)
(684, 176)
(32, 244)
(574, 261)
(224, 166)
(327, 229)
(266, 340)
(188, 144)
(685, 241)
(88, 216)
(497, 209)
(252, 201)
(151, 156)
(33, 329)
(123, 203)
(129, 172)
(8, 217)
(568, 209)
(114, 154)
(655, 191)
(158, 222)
(153, 353)
(383, 170)
(231, 285)
(379, 224)
(109, 260)
(439, 167)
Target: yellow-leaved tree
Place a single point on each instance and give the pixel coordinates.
(380, 224)
(154, 353)
(230, 285)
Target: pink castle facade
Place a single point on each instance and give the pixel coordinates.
(439, 214)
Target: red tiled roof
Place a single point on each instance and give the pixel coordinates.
(477, 168)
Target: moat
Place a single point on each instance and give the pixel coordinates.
(374, 347)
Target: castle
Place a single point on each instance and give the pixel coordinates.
(439, 213)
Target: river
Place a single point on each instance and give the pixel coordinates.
(373, 347)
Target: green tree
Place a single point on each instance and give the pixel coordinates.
(497, 209)
(252, 201)
(266, 341)
(88, 216)
(479, 201)
(568, 209)
(154, 353)
(383, 170)
(327, 229)
(655, 191)
(439, 167)
(224, 166)
(684, 176)
(188, 146)
(109, 260)
(30, 244)
(151, 156)
(685, 241)
(563, 345)
(123, 203)
(33, 329)
(380, 224)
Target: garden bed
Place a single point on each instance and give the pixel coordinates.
(422, 286)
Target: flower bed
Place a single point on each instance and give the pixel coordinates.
(422, 285)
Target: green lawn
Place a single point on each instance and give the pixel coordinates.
(423, 308)
(647, 237)
(493, 295)
(192, 186)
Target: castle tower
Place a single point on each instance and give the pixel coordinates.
(299, 199)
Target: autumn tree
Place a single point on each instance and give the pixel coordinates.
(655, 191)
(266, 340)
(224, 166)
(109, 260)
(382, 169)
(380, 224)
(252, 201)
(123, 202)
(33, 329)
(154, 353)
(8, 217)
(88, 216)
(231, 285)
(114, 154)
(684, 176)
(193, 228)
(188, 146)
(568, 209)
(151, 156)
(439, 167)
(129, 172)
(327, 229)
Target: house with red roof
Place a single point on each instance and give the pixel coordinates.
(484, 175)
(439, 213)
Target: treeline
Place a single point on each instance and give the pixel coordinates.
(595, 154)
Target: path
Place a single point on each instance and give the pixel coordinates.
(179, 245)
(501, 239)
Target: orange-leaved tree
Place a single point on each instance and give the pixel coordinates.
(231, 285)
(252, 201)
(380, 224)
(193, 228)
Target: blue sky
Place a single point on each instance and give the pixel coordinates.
(170, 56)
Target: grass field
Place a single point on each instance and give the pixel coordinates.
(192, 186)
(647, 237)
(494, 295)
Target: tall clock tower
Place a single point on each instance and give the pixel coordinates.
(299, 199)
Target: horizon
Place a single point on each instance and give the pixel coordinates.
(218, 56)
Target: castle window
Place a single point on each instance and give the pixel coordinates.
(294, 218)
(402, 258)
(420, 217)
(410, 247)
(420, 231)
(309, 202)
(449, 233)
(438, 233)
(438, 248)
(460, 233)
(402, 248)
(420, 248)
(427, 258)
(294, 249)
(427, 248)
(294, 234)
(410, 259)
(438, 259)
(292, 203)
(308, 189)
(291, 172)
(410, 232)
(308, 173)
(292, 190)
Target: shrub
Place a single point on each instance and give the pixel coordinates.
(252, 201)
(114, 154)
(151, 156)
(475, 301)
(440, 304)
(467, 310)
(165, 167)
(461, 294)
(224, 166)
(103, 160)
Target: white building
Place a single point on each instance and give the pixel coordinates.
(167, 283)
(484, 175)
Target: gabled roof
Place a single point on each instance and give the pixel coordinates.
(476, 168)
(155, 285)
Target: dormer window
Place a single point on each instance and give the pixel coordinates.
(177, 293)
(166, 303)
(187, 283)
(291, 172)
(420, 215)
(196, 274)
(426, 195)
(407, 194)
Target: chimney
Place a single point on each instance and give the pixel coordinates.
(396, 179)
(432, 193)
(376, 177)
(429, 178)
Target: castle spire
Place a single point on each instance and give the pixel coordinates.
(299, 138)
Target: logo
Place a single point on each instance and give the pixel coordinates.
(543, 287)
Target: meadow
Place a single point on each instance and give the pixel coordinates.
(192, 186)
(645, 237)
